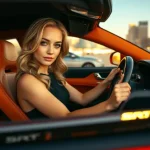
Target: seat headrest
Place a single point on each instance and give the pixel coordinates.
(8, 54)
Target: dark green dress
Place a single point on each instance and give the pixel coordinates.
(60, 92)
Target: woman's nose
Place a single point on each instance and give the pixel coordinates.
(50, 50)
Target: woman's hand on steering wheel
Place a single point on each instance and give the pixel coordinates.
(119, 94)
(111, 75)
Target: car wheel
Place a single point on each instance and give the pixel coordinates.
(88, 65)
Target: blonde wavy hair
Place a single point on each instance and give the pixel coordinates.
(32, 39)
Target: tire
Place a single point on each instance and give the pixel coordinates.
(88, 65)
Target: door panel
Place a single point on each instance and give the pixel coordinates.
(84, 84)
(84, 79)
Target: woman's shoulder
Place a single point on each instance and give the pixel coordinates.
(26, 77)
(27, 80)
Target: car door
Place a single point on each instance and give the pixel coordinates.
(86, 78)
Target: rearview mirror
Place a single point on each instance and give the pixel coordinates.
(115, 58)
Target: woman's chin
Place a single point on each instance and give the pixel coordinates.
(46, 63)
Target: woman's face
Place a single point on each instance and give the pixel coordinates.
(49, 47)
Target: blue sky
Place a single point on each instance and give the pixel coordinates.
(126, 12)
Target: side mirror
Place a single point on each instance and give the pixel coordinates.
(115, 58)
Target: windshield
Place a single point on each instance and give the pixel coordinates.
(130, 20)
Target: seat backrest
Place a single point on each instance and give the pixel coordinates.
(8, 56)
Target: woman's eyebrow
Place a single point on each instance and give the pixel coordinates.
(49, 40)
(58, 42)
(46, 39)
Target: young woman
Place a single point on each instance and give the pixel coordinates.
(42, 90)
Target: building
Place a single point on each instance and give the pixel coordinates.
(132, 33)
(143, 29)
(139, 34)
(143, 33)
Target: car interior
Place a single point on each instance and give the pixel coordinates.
(15, 24)
(81, 19)
(7, 80)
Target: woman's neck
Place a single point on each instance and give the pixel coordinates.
(43, 70)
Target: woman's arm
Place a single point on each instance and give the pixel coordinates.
(39, 97)
(86, 98)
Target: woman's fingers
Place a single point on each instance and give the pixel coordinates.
(121, 99)
(124, 94)
(114, 72)
(121, 78)
(122, 91)
(123, 85)
(117, 70)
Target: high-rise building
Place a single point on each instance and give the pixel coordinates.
(138, 34)
(143, 33)
(132, 33)
(143, 29)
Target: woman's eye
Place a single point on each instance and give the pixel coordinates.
(43, 43)
(57, 45)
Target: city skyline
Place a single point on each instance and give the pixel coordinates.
(139, 35)
(127, 12)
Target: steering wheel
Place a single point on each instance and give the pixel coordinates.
(126, 65)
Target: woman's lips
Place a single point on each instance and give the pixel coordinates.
(48, 58)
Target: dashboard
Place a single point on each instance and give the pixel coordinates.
(140, 87)
(140, 79)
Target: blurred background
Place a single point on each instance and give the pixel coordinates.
(129, 20)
